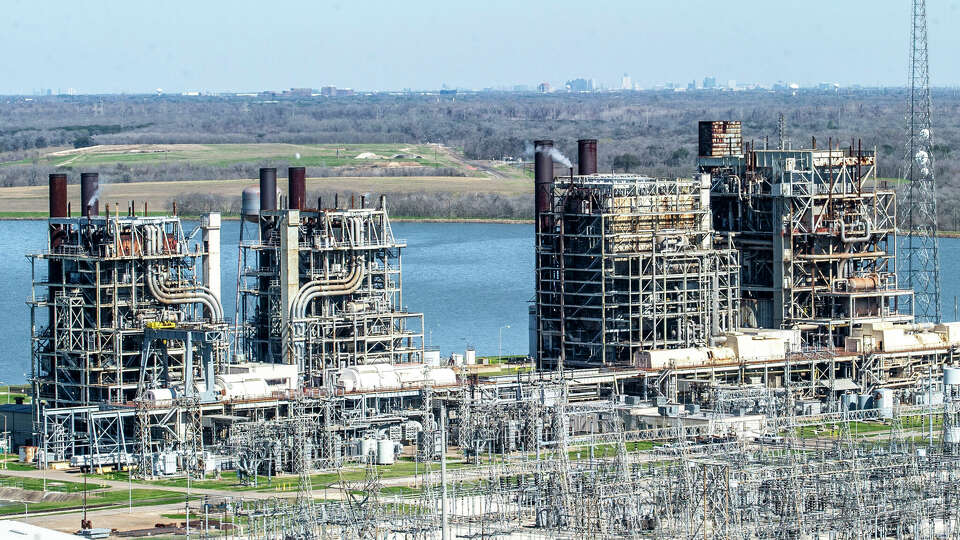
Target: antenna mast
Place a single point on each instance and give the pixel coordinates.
(923, 259)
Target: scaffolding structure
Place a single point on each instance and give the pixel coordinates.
(322, 289)
(629, 264)
(816, 231)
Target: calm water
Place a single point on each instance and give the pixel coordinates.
(469, 279)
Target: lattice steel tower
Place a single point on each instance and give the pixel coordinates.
(922, 258)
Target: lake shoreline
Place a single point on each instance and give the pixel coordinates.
(235, 217)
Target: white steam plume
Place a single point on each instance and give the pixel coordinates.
(556, 155)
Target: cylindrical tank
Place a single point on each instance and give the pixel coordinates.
(250, 204)
(543, 180)
(58, 195)
(159, 395)
(951, 376)
(587, 156)
(470, 357)
(431, 358)
(883, 399)
(848, 402)
(367, 447)
(864, 401)
(268, 188)
(89, 194)
(385, 455)
(297, 187)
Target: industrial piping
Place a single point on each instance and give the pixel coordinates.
(166, 295)
(586, 157)
(326, 287)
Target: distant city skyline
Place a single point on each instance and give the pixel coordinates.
(216, 46)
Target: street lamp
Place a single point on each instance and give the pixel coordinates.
(500, 343)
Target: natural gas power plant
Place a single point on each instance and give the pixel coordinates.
(683, 332)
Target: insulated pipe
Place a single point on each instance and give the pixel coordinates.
(850, 239)
(89, 194)
(179, 295)
(356, 278)
(586, 157)
(326, 287)
(296, 188)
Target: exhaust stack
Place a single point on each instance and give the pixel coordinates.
(297, 187)
(586, 157)
(58, 196)
(89, 194)
(543, 181)
(268, 189)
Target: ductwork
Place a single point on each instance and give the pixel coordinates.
(327, 287)
(179, 295)
(850, 239)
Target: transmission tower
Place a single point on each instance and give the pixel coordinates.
(923, 259)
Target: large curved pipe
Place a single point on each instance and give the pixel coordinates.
(850, 239)
(326, 287)
(178, 295)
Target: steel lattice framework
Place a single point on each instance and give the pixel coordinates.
(921, 253)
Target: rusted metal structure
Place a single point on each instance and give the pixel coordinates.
(816, 231)
(626, 264)
(322, 288)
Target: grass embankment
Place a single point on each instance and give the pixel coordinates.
(32, 201)
(226, 155)
(104, 499)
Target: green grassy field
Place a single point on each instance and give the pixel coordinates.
(225, 155)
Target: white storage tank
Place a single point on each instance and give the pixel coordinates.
(951, 376)
(470, 357)
(884, 399)
(385, 455)
(250, 204)
(431, 358)
(367, 447)
(456, 359)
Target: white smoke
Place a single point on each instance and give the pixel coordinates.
(556, 155)
(96, 196)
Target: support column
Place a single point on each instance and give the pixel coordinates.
(289, 275)
(211, 258)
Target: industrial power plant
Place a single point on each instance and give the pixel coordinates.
(689, 338)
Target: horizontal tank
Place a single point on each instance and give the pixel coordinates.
(376, 377)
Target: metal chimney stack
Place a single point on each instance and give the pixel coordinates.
(586, 157)
(543, 181)
(297, 187)
(268, 189)
(89, 194)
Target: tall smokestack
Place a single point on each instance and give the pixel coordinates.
(297, 187)
(89, 194)
(58, 195)
(268, 189)
(543, 181)
(58, 209)
(586, 157)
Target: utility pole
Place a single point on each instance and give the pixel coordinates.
(922, 254)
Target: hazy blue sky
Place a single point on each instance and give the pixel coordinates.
(136, 46)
